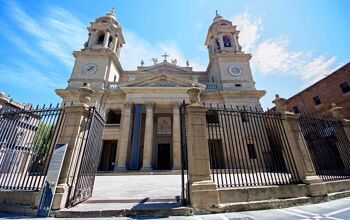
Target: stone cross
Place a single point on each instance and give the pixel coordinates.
(165, 56)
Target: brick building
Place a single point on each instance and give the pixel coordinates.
(318, 98)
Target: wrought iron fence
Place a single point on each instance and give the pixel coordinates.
(89, 154)
(27, 138)
(328, 145)
(248, 147)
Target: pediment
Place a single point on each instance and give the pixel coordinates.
(165, 67)
(162, 80)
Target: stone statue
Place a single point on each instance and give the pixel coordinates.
(174, 61)
(155, 60)
(142, 63)
(187, 63)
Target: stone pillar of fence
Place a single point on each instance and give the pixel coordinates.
(299, 150)
(337, 112)
(343, 147)
(203, 191)
(72, 132)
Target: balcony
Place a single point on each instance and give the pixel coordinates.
(113, 87)
(211, 87)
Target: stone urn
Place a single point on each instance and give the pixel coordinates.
(280, 104)
(193, 94)
(85, 93)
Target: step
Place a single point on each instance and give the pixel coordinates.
(125, 208)
(263, 204)
(132, 173)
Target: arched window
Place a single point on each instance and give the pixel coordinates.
(100, 39)
(217, 44)
(227, 41)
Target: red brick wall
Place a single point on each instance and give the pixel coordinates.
(328, 90)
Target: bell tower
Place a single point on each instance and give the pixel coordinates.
(98, 62)
(228, 65)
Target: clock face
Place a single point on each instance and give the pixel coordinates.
(89, 68)
(235, 70)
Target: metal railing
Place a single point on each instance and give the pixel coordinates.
(328, 145)
(211, 87)
(248, 148)
(27, 138)
(113, 86)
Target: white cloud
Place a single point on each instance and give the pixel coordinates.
(250, 30)
(58, 32)
(24, 76)
(318, 68)
(137, 49)
(274, 56)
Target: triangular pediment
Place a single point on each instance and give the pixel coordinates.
(165, 67)
(161, 80)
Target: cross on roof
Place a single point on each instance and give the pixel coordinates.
(165, 56)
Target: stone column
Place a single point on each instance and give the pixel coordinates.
(92, 38)
(235, 42)
(221, 42)
(176, 137)
(106, 39)
(204, 193)
(301, 155)
(115, 43)
(125, 137)
(148, 141)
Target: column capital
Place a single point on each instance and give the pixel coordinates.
(175, 105)
(127, 105)
(149, 105)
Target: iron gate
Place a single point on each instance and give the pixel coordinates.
(90, 149)
(185, 193)
(27, 139)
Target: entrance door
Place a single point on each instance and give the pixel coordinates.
(163, 157)
(107, 160)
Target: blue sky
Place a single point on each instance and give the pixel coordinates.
(293, 43)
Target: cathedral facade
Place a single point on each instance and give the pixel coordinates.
(141, 106)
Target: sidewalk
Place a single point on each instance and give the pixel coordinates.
(336, 210)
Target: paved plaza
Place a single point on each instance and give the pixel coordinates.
(132, 187)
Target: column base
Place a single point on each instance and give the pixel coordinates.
(316, 186)
(121, 169)
(60, 197)
(146, 169)
(204, 197)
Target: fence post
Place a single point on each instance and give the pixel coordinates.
(72, 132)
(204, 193)
(337, 112)
(300, 152)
